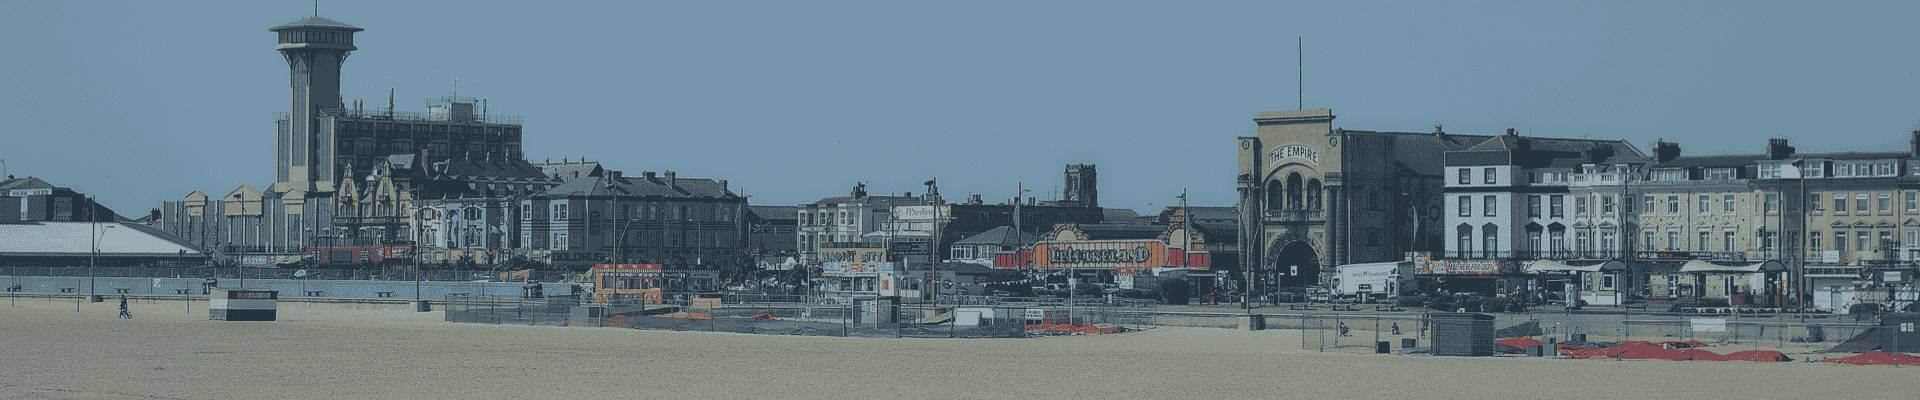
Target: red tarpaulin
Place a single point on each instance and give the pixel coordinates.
(1671, 351)
(1878, 358)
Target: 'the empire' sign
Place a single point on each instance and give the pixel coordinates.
(1294, 151)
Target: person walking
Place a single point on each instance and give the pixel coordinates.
(124, 312)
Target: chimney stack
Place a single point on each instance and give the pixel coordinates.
(1915, 140)
(647, 174)
(1439, 131)
(614, 174)
(1777, 149)
(1664, 151)
(1513, 132)
(672, 182)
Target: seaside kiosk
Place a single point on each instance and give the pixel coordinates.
(242, 305)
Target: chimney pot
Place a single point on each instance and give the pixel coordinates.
(1512, 132)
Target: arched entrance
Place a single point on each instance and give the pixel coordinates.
(1294, 264)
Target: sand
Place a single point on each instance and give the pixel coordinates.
(47, 350)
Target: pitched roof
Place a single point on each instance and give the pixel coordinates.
(1424, 152)
(774, 212)
(1001, 235)
(1118, 215)
(26, 183)
(46, 238)
(607, 185)
(317, 22)
(1713, 161)
(567, 171)
(1119, 231)
(493, 169)
(1218, 234)
(887, 201)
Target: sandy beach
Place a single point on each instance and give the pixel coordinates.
(47, 350)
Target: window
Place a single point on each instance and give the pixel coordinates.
(1533, 241)
(1673, 239)
(1466, 206)
(1766, 240)
(1648, 200)
(1860, 242)
(559, 241)
(1582, 242)
(1885, 202)
(526, 211)
(1533, 206)
(1726, 203)
(1860, 203)
(560, 212)
(1703, 204)
(1556, 205)
(1706, 238)
(1913, 202)
(1886, 239)
(1488, 173)
(1606, 204)
(1558, 240)
(1839, 203)
(1813, 202)
(1646, 241)
(1814, 169)
(1487, 205)
(1770, 171)
(1813, 243)
(1580, 205)
(1726, 241)
(1840, 241)
(1913, 238)
(962, 252)
(1490, 240)
(1669, 174)
(1720, 173)
(1606, 281)
(1466, 176)
(1373, 237)
(1464, 240)
(1673, 204)
(1607, 243)
(1770, 204)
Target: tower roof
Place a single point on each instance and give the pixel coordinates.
(317, 22)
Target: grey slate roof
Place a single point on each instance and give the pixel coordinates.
(1001, 236)
(26, 183)
(1425, 152)
(640, 186)
(1120, 231)
(1118, 215)
(774, 212)
(874, 200)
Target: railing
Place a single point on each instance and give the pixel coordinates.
(1296, 215)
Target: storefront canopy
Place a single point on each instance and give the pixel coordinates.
(1539, 266)
(1704, 266)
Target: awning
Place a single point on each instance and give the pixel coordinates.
(1539, 266)
(1390, 265)
(1733, 268)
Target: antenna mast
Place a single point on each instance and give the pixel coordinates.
(1300, 68)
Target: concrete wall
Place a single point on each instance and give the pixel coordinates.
(287, 287)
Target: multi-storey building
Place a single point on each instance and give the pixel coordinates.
(844, 221)
(33, 199)
(665, 219)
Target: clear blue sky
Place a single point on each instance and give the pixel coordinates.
(143, 101)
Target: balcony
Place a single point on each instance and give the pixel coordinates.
(1529, 255)
(1295, 216)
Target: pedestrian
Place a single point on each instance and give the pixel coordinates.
(124, 312)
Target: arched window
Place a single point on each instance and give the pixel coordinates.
(1313, 195)
(1294, 192)
(1276, 195)
(1463, 242)
(1490, 240)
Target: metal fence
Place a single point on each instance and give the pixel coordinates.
(405, 273)
(863, 319)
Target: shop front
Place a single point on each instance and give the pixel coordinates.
(1491, 277)
(1595, 282)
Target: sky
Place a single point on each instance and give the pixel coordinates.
(139, 102)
